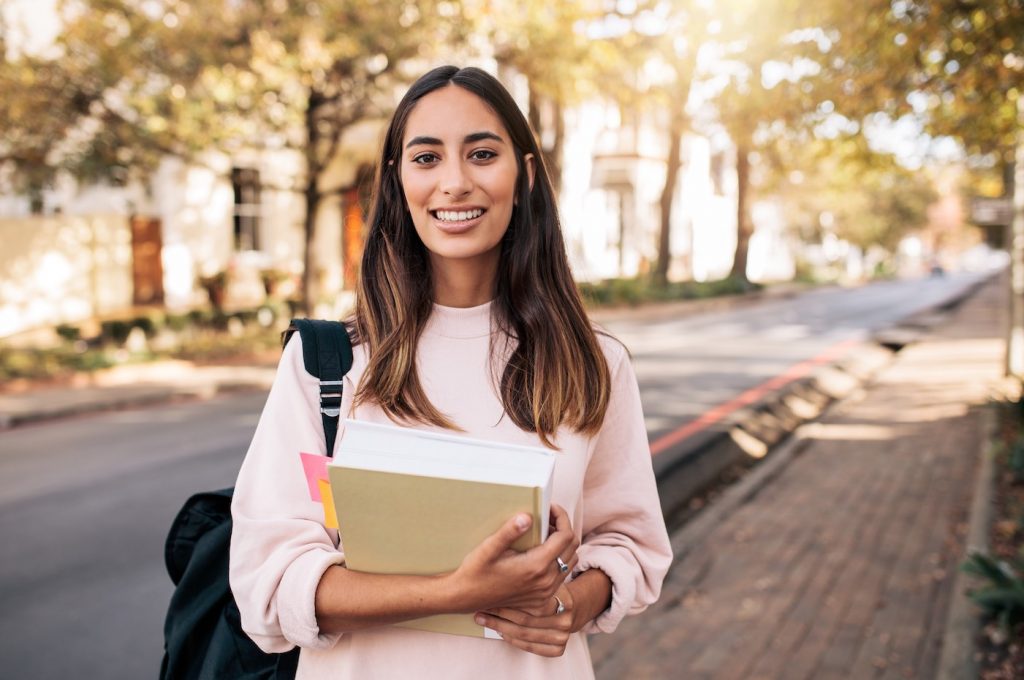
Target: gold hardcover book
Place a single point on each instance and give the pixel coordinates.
(414, 502)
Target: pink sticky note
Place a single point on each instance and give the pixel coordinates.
(315, 467)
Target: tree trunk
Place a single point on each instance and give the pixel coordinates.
(744, 229)
(553, 154)
(668, 192)
(553, 157)
(1014, 362)
(311, 196)
(533, 114)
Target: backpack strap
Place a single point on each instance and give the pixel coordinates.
(327, 355)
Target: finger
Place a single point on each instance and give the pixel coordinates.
(519, 617)
(501, 540)
(510, 631)
(562, 537)
(561, 517)
(570, 559)
(544, 617)
(568, 554)
(537, 648)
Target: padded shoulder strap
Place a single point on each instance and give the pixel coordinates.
(326, 354)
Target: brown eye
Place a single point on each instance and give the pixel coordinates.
(425, 159)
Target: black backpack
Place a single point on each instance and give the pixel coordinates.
(203, 636)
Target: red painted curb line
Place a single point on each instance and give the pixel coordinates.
(718, 413)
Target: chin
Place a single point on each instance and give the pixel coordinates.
(463, 251)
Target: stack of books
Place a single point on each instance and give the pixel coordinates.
(416, 502)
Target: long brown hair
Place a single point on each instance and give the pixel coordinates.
(556, 371)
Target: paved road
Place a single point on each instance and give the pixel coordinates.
(85, 502)
(84, 507)
(688, 365)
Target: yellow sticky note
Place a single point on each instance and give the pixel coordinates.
(330, 516)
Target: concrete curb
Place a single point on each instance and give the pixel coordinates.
(735, 496)
(118, 399)
(957, 659)
(750, 434)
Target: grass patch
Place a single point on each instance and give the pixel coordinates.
(638, 291)
(199, 335)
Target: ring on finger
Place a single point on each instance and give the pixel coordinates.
(562, 566)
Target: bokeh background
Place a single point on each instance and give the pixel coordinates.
(750, 191)
(168, 156)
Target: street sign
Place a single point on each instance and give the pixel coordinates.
(991, 212)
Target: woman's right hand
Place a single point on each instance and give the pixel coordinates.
(494, 575)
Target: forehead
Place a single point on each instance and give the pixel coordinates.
(451, 113)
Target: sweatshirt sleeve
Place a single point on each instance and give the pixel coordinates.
(280, 548)
(622, 525)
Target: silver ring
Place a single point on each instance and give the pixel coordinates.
(560, 607)
(562, 566)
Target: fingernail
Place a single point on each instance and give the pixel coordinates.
(479, 620)
(523, 521)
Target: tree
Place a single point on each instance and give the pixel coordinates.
(141, 80)
(687, 30)
(120, 89)
(643, 56)
(545, 42)
(957, 67)
(872, 199)
(766, 89)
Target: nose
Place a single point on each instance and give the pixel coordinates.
(455, 182)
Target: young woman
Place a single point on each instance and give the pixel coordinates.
(467, 319)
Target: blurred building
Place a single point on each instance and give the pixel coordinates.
(97, 249)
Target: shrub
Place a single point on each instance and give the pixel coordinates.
(1002, 594)
(639, 290)
(116, 331)
(68, 332)
(178, 322)
(146, 323)
(1016, 461)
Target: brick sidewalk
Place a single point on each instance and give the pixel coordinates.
(840, 567)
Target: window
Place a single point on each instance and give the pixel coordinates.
(246, 185)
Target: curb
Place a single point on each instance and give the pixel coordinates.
(750, 434)
(153, 396)
(684, 539)
(957, 659)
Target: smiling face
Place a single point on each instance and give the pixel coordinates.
(458, 171)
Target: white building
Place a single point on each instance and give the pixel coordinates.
(242, 214)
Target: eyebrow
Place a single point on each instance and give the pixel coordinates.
(468, 139)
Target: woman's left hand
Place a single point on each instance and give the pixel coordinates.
(539, 631)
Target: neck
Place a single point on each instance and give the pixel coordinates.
(464, 283)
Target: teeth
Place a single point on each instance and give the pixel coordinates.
(458, 216)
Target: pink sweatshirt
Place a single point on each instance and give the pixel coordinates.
(280, 547)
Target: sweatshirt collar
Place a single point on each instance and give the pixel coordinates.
(460, 322)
